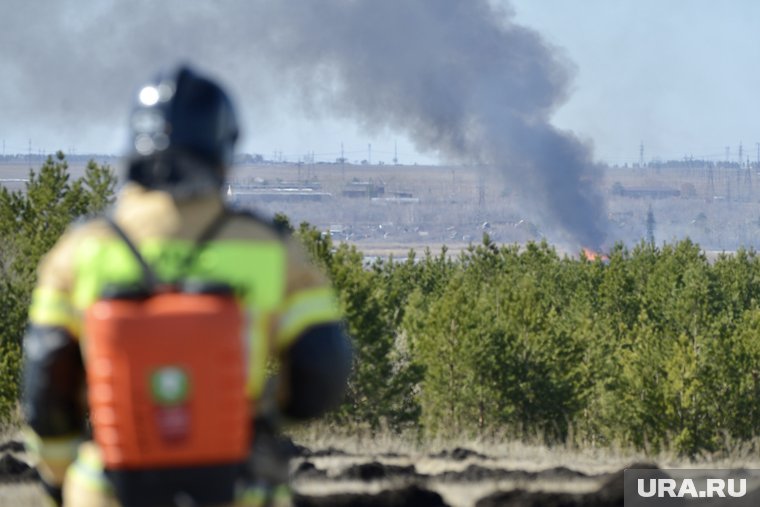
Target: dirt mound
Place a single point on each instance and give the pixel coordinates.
(411, 496)
(522, 498)
(391, 455)
(300, 451)
(304, 452)
(307, 470)
(374, 471)
(610, 494)
(12, 446)
(13, 469)
(458, 454)
(474, 473)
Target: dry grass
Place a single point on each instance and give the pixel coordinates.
(20, 495)
(501, 452)
(508, 452)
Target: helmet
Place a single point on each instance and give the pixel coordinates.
(183, 133)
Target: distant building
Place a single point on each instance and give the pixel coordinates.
(646, 192)
(254, 195)
(397, 198)
(366, 189)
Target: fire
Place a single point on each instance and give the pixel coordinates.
(592, 256)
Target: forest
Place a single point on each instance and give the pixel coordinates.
(655, 349)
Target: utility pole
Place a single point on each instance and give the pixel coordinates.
(481, 191)
(710, 183)
(748, 182)
(728, 187)
(739, 174)
(641, 154)
(342, 162)
(395, 152)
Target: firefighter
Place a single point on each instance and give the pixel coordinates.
(183, 131)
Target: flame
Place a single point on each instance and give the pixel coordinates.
(593, 256)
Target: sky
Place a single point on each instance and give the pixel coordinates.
(680, 77)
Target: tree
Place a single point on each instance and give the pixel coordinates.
(31, 221)
(100, 182)
(380, 388)
(650, 225)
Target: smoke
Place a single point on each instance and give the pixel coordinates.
(458, 77)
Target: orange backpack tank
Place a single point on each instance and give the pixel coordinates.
(166, 389)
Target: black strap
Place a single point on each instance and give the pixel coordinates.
(150, 279)
(200, 243)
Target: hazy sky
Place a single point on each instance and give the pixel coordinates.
(681, 76)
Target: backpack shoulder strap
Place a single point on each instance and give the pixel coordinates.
(205, 236)
(149, 278)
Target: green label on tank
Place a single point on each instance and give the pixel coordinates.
(169, 385)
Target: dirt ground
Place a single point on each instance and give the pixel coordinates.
(382, 473)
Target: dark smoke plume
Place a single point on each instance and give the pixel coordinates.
(459, 77)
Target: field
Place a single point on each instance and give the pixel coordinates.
(455, 205)
(427, 207)
(394, 471)
(430, 206)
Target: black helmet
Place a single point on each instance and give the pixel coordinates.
(183, 133)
